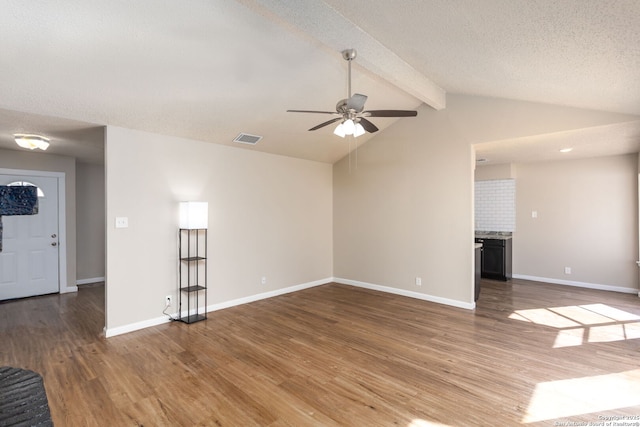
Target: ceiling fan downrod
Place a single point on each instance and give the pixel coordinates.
(349, 55)
(350, 111)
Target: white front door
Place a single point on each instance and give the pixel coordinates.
(29, 261)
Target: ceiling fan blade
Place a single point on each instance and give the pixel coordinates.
(390, 113)
(326, 123)
(367, 125)
(356, 102)
(311, 111)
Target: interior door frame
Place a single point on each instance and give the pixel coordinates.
(62, 221)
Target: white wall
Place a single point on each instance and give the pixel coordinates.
(268, 216)
(488, 172)
(407, 211)
(587, 220)
(90, 222)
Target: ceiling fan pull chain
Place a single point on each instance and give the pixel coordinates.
(356, 142)
(349, 156)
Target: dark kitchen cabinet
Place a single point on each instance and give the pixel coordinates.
(478, 272)
(496, 259)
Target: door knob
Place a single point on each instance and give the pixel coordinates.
(54, 244)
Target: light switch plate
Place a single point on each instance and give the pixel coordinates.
(122, 222)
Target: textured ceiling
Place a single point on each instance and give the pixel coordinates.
(582, 53)
(208, 69)
(68, 137)
(614, 139)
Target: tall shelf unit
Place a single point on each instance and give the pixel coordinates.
(193, 275)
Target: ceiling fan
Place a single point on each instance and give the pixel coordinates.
(350, 111)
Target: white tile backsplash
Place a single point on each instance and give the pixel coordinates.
(495, 205)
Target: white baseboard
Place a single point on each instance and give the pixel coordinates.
(90, 280)
(270, 294)
(446, 301)
(403, 292)
(577, 284)
(112, 332)
(68, 289)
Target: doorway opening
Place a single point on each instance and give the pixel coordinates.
(34, 257)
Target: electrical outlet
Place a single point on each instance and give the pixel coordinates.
(418, 281)
(567, 270)
(264, 280)
(167, 300)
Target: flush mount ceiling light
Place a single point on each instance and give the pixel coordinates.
(566, 150)
(31, 141)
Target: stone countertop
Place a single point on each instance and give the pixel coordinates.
(493, 235)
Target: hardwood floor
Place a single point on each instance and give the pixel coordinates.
(531, 353)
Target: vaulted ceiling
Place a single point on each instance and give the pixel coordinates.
(211, 69)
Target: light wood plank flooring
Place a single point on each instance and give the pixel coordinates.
(332, 355)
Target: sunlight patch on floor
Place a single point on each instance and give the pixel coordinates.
(610, 312)
(625, 331)
(544, 316)
(582, 324)
(582, 315)
(569, 338)
(577, 396)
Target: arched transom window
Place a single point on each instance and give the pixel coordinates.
(26, 184)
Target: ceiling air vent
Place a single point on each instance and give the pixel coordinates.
(245, 138)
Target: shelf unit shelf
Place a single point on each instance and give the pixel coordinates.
(192, 253)
(194, 318)
(193, 288)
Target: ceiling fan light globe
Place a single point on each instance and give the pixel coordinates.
(359, 130)
(339, 131)
(349, 127)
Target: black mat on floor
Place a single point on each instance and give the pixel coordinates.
(23, 400)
